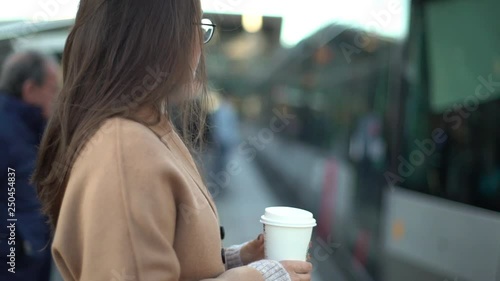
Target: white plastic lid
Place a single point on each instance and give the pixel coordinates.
(288, 217)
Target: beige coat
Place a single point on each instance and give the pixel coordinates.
(135, 208)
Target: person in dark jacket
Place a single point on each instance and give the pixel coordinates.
(28, 85)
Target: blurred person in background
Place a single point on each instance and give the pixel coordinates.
(224, 133)
(28, 85)
(118, 183)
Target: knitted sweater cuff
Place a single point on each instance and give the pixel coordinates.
(233, 258)
(271, 270)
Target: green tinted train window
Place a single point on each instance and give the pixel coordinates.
(464, 50)
(450, 136)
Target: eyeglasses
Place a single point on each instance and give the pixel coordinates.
(208, 28)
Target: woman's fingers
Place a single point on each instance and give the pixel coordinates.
(298, 270)
(260, 239)
(303, 268)
(304, 277)
(300, 277)
(253, 251)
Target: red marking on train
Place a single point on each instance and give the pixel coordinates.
(362, 247)
(327, 207)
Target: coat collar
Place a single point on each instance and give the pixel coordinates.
(160, 127)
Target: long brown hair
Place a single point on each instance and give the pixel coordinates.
(109, 63)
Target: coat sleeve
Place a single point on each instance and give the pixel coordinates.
(125, 227)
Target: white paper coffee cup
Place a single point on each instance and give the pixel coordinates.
(287, 233)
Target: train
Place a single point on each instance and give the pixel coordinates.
(393, 143)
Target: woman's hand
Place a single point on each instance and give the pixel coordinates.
(253, 250)
(298, 270)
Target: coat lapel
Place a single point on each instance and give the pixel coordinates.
(165, 131)
(188, 163)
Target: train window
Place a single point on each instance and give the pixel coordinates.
(451, 142)
(463, 43)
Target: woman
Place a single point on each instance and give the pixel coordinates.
(118, 184)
